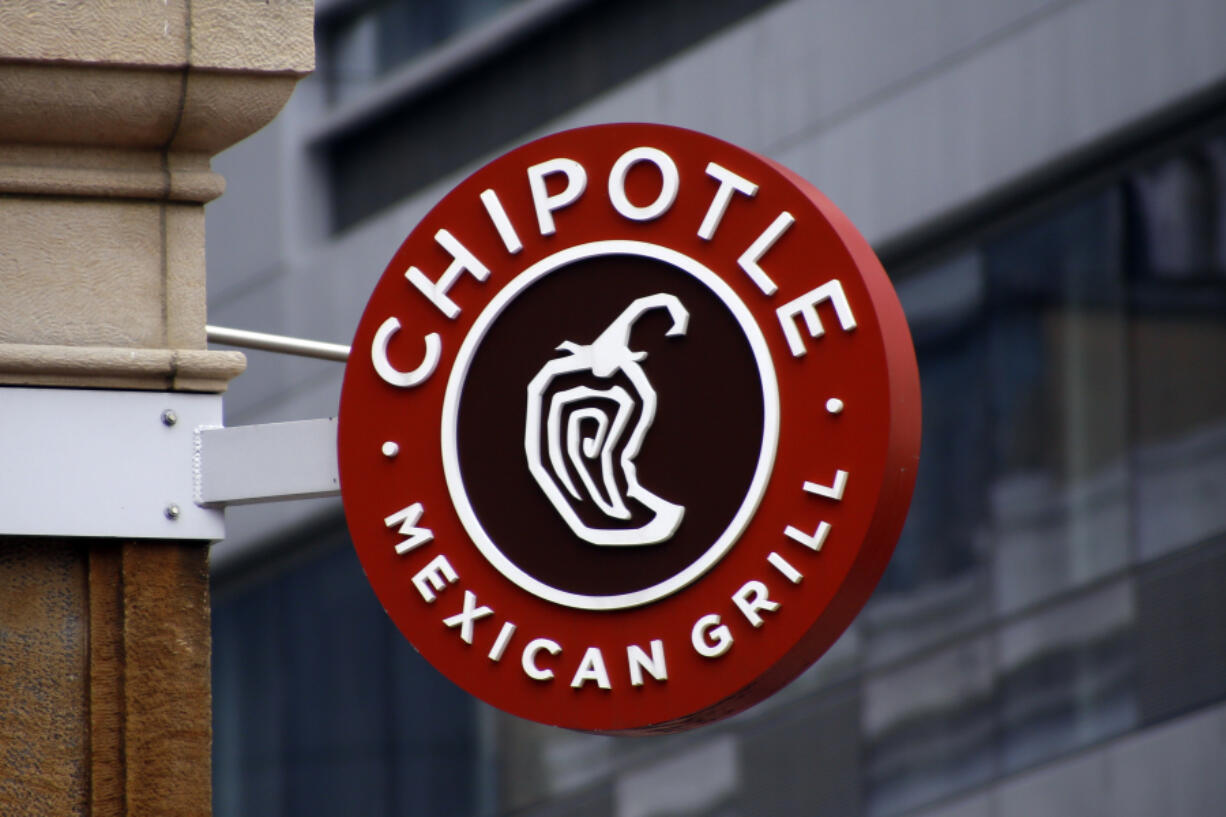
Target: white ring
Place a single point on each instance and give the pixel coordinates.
(766, 458)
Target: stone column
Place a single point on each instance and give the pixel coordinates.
(109, 113)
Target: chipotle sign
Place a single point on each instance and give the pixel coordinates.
(629, 429)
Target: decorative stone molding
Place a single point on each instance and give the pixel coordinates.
(117, 368)
(262, 36)
(112, 110)
(54, 170)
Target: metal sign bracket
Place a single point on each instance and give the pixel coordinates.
(146, 465)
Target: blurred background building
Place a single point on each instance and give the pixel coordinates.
(1045, 181)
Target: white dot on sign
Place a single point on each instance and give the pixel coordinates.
(390, 449)
(834, 405)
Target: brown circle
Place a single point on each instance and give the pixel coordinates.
(700, 452)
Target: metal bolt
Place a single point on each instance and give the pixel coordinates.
(172, 511)
(169, 417)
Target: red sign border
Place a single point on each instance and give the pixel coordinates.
(875, 439)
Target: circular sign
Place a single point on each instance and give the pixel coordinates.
(628, 430)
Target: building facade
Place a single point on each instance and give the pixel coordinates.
(1045, 182)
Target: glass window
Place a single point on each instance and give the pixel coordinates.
(1182, 632)
(1178, 335)
(538, 763)
(780, 754)
(1056, 346)
(929, 728)
(363, 47)
(1180, 451)
(704, 778)
(563, 56)
(1175, 215)
(935, 582)
(1068, 676)
(322, 708)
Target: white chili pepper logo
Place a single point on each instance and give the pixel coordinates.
(595, 428)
